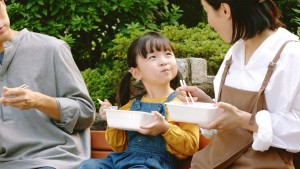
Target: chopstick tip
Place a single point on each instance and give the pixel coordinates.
(100, 101)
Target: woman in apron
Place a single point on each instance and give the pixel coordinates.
(257, 86)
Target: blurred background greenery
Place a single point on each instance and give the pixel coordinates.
(99, 32)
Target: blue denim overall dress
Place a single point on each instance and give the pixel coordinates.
(144, 151)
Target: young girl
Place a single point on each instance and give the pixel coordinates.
(158, 145)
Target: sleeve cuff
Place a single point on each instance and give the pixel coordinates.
(262, 139)
(208, 133)
(68, 115)
(169, 131)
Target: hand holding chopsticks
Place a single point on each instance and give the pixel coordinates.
(182, 83)
(101, 103)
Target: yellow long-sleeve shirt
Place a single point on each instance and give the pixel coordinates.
(182, 138)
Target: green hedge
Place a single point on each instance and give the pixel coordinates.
(200, 42)
(89, 25)
(102, 82)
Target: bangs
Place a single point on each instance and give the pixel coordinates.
(150, 45)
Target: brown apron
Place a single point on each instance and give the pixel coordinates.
(232, 148)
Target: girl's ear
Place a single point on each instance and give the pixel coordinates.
(135, 73)
(226, 10)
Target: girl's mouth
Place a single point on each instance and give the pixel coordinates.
(165, 70)
(1, 27)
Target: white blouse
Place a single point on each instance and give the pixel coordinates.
(279, 126)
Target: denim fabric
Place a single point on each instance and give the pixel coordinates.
(143, 152)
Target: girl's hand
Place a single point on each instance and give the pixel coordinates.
(197, 94)
(159, 126)
(105, 105)
(230, 118)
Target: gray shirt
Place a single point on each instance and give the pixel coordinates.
(29, 138)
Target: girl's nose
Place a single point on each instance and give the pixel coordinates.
(163, 60)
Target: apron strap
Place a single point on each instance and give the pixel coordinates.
(271, 68)
(227, 66)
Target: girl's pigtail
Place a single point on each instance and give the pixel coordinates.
(125, 89)
(176, 81)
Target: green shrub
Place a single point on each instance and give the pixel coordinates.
(297, 18)
(199, 42)
(288, 15)
(89, 25)
(102, 82)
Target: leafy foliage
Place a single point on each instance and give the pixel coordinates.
(102, 82)
(90, 25)
(288, 15)
(297, 11)
(200, 41)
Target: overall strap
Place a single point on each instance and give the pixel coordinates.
(271, 68)
(227, 66)
(171, 97)
(138, 98)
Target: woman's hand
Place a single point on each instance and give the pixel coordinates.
(105, 105)
(159, 126)
(230, 118)
(197, 94)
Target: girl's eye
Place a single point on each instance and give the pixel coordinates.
(169, 53)
(152, 57)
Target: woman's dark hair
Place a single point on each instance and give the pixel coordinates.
(250, 17)
(140, 47)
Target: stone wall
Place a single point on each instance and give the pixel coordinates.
(194, 72)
